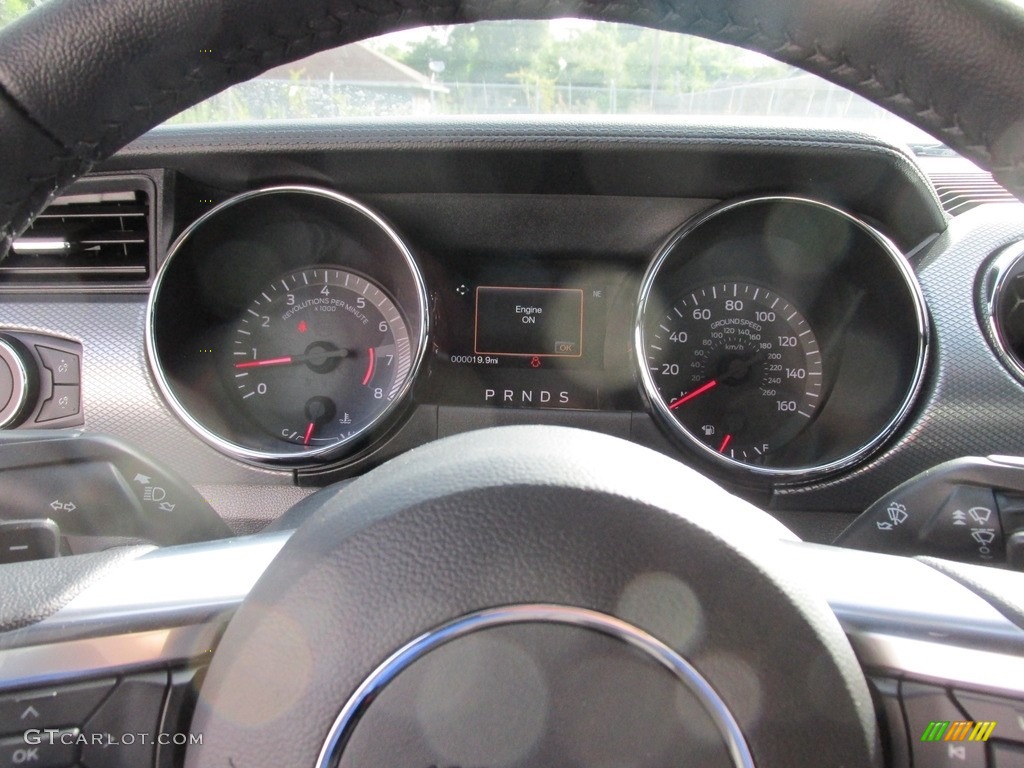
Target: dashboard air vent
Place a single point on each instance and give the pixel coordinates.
(959, 192)
(98, 235)
(1003, 307)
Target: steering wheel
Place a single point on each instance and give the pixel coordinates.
(526, 594)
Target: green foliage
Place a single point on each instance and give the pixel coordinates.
(12, 9)
(599, 61)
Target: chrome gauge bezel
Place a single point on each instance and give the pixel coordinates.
(417, 319)
(782, 474)
(994, 284)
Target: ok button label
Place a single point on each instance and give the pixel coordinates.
(26, 755)
(17, 752)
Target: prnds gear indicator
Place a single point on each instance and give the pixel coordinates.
(529, 322)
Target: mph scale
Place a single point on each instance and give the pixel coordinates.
(737, 367)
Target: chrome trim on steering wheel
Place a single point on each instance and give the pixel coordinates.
(542, 613)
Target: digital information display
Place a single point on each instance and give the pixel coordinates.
(532, 322)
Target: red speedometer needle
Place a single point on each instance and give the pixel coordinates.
(695, 393)
(309, 433)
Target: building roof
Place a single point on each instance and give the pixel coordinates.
(355, 63)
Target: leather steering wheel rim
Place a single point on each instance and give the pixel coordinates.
(81, 78)
(516, 518)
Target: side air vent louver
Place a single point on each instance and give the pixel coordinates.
(959, 192)
(1003, 307)
(99, 235)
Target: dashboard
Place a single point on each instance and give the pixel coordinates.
(785, 310)
(214, 329)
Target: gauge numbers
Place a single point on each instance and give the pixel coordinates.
(737, 367)
(318, 356)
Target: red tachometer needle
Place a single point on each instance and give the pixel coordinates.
(695, 393)
(309, 433)
(268, 361)
(318, 356)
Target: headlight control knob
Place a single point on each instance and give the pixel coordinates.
(17, 382)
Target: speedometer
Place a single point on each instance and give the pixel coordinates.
(780, 337)
(738, 367)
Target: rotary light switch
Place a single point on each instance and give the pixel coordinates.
(17, 382)
(40, 381)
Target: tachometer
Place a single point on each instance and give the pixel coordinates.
(318, 355)
(287, 326)
(737, 366)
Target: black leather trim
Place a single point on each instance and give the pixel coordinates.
(96, 74)
(33, 168)
(39, 588)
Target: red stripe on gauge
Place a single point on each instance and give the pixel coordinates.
(369, 367)
(696, 393)
(261, 363)
(725, 444)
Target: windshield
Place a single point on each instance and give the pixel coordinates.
(560, 67)
(557, 67)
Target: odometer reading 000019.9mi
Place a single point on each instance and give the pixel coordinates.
(737, 367)
(319, 356)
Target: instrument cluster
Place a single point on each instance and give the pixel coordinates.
(777, 336)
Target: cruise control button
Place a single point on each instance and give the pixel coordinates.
(123, 732)
(65, 402)
(938, 730)
(62, 365)
(54, 707)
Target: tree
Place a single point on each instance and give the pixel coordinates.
(12, 9)
(484, 52)
(595, 63)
